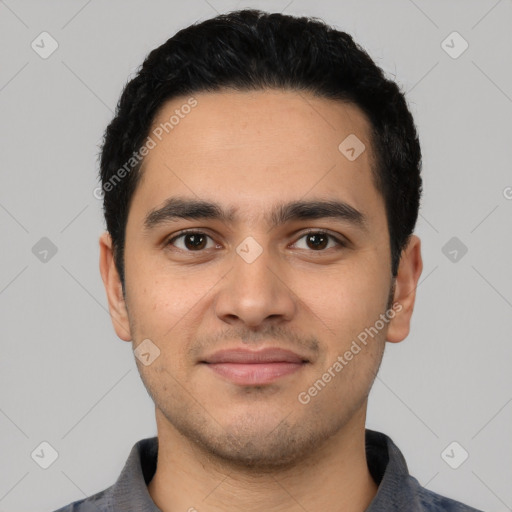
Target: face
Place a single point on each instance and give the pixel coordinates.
(292, 253)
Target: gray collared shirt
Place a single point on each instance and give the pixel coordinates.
(398, 491)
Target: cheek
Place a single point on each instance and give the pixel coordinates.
(165, 305)
(346, 297)
(154, 304)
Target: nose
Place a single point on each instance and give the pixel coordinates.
(256, 292)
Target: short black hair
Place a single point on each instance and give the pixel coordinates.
(249, 50)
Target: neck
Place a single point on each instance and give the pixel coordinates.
(335, 477)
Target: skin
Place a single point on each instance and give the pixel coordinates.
(224, 446)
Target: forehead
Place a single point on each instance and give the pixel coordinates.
(251, 149)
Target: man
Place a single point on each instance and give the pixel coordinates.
(261, 184)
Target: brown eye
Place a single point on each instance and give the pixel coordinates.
(319, 240)
(194, 241)
(190, 241)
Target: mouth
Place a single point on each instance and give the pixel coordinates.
(254, 368)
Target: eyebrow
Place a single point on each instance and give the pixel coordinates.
(176, 208)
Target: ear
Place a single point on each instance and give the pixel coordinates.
(409, 272)
(113, 287)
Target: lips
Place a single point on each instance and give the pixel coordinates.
(245, 367)
(268, 355)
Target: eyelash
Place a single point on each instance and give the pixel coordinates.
(181, 234)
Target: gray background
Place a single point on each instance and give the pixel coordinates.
(65, 377)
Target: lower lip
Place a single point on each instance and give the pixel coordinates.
(251, 374)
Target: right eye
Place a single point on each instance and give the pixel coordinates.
(191, 241)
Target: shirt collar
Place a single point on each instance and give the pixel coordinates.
(130, 492)
(385, 461)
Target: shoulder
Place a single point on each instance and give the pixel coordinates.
(99, 502)
(430, 501)
(130, 487)
(398, 489)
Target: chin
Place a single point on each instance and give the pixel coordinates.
(260, 447)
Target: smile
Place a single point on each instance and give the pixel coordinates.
(251, 374)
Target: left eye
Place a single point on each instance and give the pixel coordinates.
(319, 240)
(193, 241)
